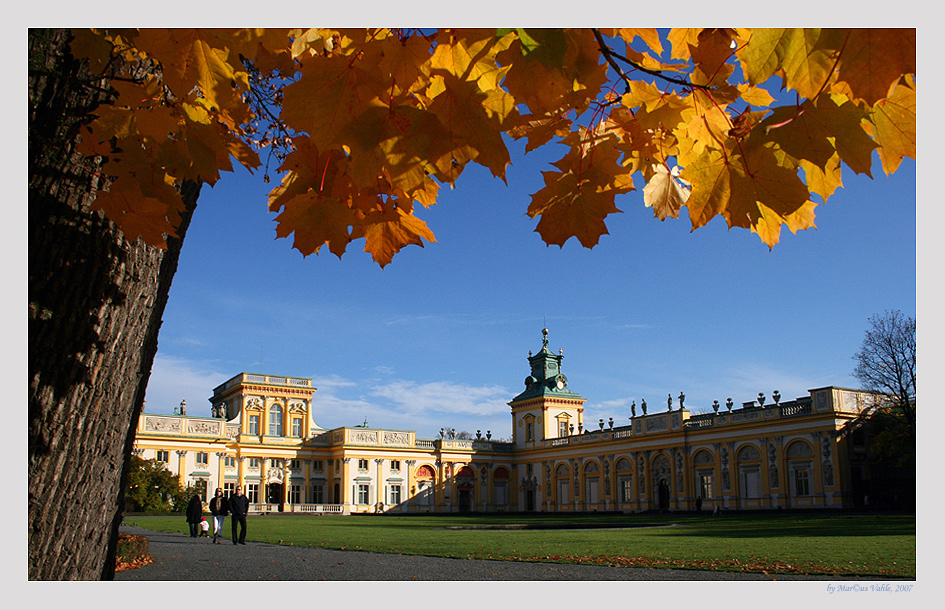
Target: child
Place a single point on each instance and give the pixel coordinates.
(204, 527)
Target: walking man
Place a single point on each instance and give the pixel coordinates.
(219, 508)
(239, 506)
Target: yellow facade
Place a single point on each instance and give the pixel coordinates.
(264, 437)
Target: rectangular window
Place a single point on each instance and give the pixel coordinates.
(297, 427)
(394, 497)
(229, 489)
(252, 492)
(253, 424)
(563, 495)
(275, 421)
(229, 461)
(501, 494)
(362, 465)
(296, 465)
(202, 458)
(274, 462)
(562, 428)
(529, 431)
(705, 486)
(318, 494)
(750, 482)
(626, 488)
(295, 494)
(254, 463)
(318, 465)
(162, 456)
(395, 465)
(201, 486)
(801, 482)
(364, 493)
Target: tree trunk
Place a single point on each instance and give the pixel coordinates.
(95, 307)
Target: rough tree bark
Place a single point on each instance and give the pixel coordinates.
(95, 307)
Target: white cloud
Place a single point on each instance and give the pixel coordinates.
(174, 379)
(443, 398)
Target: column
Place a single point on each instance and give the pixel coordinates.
(345, 498)
(263, 480)
(182, 467)
(408, 493)
(438, 492)
(221, 471)
(381, 499)
(241, 470)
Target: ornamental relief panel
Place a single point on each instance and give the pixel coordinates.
(365, 437)
(396, 438)
(162, 424)
(203, 427)
(656, 424)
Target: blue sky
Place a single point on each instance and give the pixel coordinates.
(441, 336)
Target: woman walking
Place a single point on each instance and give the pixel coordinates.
(219, 508)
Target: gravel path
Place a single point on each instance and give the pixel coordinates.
(180, 557)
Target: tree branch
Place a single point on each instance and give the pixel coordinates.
(611, 56)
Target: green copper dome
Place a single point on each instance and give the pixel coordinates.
(546, 378)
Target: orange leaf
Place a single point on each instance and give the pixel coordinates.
(873, 60)
(387, 236)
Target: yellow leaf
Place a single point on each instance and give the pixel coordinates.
(577, 198)
(150, 214)
(401, 141)
(664, 193)
(815, 131)
(470, 54)
(825, 179)
(798, 55)
(755, 96)
(894, 120)
(316, 219)
(767, 225)
(648, 35)
(750, 191)
(474, 121)
(196, 58)
(331, 93)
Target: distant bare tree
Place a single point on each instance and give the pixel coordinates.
(886, 361)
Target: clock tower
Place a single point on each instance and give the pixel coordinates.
(547, 408)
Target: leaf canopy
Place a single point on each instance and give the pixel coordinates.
(367, 123)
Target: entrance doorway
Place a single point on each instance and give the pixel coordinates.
(274, 494)
(529, 499)
(465, 500)
(663, 495)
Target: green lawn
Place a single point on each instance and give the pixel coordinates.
(867, 545)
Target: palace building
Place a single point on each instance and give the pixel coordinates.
(262, 435)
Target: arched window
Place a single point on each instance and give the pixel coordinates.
(592, 483)
(500, 487)
(800, 456)
(749, 471)
(624, 468)
(748, 453)
(705, 473)
(562, 483)
(425, 479)
(275, 420)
